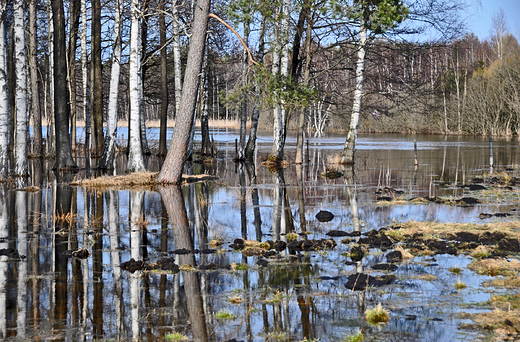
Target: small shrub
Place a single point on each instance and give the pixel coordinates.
(176, 337)
(455, 270)
(377, 315)
(291, 236)
(357, 337)
(460, 285)
(222, 314)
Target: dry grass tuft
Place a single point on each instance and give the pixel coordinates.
(502, 323)
(495, 267)
(377, 315)
(512, 282)
(136, 181)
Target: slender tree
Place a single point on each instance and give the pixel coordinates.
(96, 79)
(4, 100)
(135, 154)
(35, 92)
(75, 11)
(22, 126)
(171, 171)
(164, 81)
(84, 74)
(64, 159)
(109, 149)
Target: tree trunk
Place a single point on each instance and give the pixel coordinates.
(84, 71)
(204, 114)
(4, 106)
(243, 106)
(61, 96)
(73, 38)
(143, 39)
(109, 149)
(96, 80)
(176, 58)
(306, 78)
(350, 143)
(35, 92)
(50, 142)
(20, 61)
(135, 155)
(164, 82)
(171, 171)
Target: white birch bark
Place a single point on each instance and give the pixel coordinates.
(84, 72)
(279, 111)
(21, 225)
(111, 135)
(136, 206)
(177, 66)
(20, 148)
(113, 223)
(350, 143)
(135, 154)
(4, 101)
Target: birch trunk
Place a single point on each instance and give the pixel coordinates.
(171, 171)
(73, 38)
(20, 148)
(280, 111)
(275, 69)
(4, 101)
(84, 72)
(243, 107)
(35, 93)
(4, 244)
(177, 66)
(350, 143)
(135, 155)
(109, 149)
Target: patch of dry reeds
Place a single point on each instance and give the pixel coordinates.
(134, 181)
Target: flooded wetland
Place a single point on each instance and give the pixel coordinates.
(384, 251)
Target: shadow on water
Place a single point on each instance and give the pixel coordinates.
(63, 250)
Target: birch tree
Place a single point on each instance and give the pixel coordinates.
(171, 171)
(376, 16)
(109, 149)
(84, 73)
(20, 148)
(4, 100)
(135, 154)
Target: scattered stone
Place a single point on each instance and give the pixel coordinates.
(384, 199)
(237, 244)
(133, 265)
(337, 233)
(483, 216)
(330, 278)
(354, 234)
(394, 256)
(280, 245)
(262, 262)
(12, 253)
(80, 253)
(182, 251)
(468, 201)
(324, 216)
(210, 266)
(357, 253)
(208, 251)
(360, 281)
(385, 267)
(168, 264)
(501, 214)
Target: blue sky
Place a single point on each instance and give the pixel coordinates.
(480, 18)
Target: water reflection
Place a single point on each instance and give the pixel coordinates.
(49, 295)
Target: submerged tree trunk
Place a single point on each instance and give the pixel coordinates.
(35, 93)
(63, 148)
(20, 61)
(4, 102)
(171, 171)
(350, 143)
(135, 155)
(164, 82)
(109, 149)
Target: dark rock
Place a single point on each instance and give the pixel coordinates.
(384, 199)
(359, 281)
(262, 262)
(81, 253)
(280, 245)
(329, 278)
(350, 263)
(168, 264)
(385, 267)
(268, 254)
(483, 216)
(294, 246)
(237, 244)
(208, 251)
(468, 201)
(182, 251)
(410, 317)
(501, 214)
(324, 216)
(509, 245)
(337, 233)
(12, 253)
(354, 234)
(376, 240)
(133, 265)
(476, 187)
(210, 266)
(394, 256)
(357, 253)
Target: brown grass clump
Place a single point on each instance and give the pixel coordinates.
(481, 252)
(502, 323)
(136, 180)
(512, 282)
(30, 189)
(405, 253)
(495, 267)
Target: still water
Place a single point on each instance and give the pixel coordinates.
(46, 294)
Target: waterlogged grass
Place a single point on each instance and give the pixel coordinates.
(176, 337)
(357, 337)
(223, 314)
(495, 267)
(459, 285)
(377, 315)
